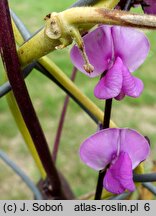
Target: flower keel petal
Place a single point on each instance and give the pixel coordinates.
(110, 85)
(119, 176)
(120, 96)
(132, 86)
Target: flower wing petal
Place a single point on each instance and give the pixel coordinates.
(132, 46)
(119, 176)
(98, 47)
(135, 145)
(131, 86)
(110, 85)
(97, 150)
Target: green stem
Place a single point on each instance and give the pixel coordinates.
(24, 131)
(76, 19)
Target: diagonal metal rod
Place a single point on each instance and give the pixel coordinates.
(41, 69)
(150, 177)
(6, 87)
(127, 5)
(147, 185)
(21, 174)
(150, 187)
(121, 196)
(26, 34)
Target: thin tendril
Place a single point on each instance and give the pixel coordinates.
(61, 122)
(22, 175)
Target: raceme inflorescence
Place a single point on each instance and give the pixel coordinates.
(118, 150)
(115, 52)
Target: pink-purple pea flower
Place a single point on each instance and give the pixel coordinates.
(149, 6)
(117, 150)
(115, 52)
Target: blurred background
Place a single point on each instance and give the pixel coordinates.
(48, 100)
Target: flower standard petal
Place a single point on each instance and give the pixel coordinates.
(119, 176)
(131, 86)
(131, 46)
(110, 85)
(97, 151)
(98, 47)
(135, 145)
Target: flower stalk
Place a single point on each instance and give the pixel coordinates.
(106, 123)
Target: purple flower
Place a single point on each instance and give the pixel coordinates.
(117, 150)
(116, 51)
(149, 6)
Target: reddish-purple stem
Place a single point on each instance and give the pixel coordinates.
(106, 122)
(12, 65)
(61, 121)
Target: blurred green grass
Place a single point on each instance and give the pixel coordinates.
(48, 100)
